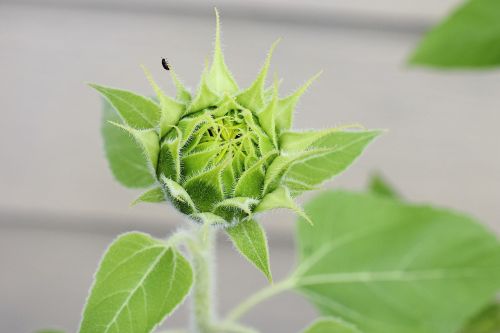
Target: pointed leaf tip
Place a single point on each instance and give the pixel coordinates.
(183, 93)
(171, 110)
(254, 97)
(267, 115)
(286, 106)
(178, 196)
(137, 111)
(154, 195)
(250, 240)
(219, 78)
(205, 95)
(281, 198)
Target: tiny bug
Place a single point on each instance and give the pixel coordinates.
(164, 63)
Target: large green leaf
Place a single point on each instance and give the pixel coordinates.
(126, 157)
(139, 282)
(331, 325)
(343, 148)
(487, 321)
(469, 37)
(250, 239)
(392, 267)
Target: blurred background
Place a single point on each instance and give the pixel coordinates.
(60, 207)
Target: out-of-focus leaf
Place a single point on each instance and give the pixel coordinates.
(486, 321)
(331, 325)
(380, 186)
(391, 267)
(468, 38)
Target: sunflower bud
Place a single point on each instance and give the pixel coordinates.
(222, 154)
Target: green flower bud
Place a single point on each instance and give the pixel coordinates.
(223, 154)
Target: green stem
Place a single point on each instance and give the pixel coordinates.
(201, 248)
(258, 297)
(180, 237)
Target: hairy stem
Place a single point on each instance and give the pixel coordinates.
(258, 297)
(202, 248)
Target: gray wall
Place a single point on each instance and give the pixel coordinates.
(58, 202)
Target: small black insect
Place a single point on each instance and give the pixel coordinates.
(164, 63)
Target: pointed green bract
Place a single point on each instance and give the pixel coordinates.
(153, 195)
(268, 92)
(239, 203)
(198, 160)
(208, 218)
(136, 111)
(179, 197)
(205, 96)
(286, 106)
(125, 155)
(183, 94)
(206, 189)
(267, 116)
(250, 240)
(139, 282)
(331, 325)
(281, 198)
(253, 98)
(171, 110)
(380, 263)
(236, 209)
(251, 182)
(219, 78)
